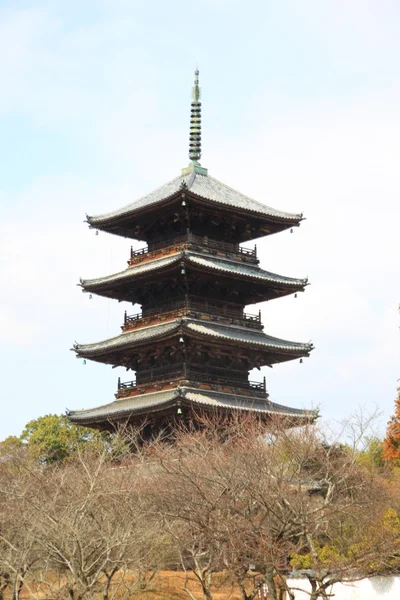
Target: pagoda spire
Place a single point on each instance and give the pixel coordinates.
(195, 121)
(195, 130)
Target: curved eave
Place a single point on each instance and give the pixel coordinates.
(281, 219)
(235, 268)
(128, 275)
(160, 195)
(126, 340)
(202, 262)
(197, 329)
(201, 187)
(246, 337)
(190, 397)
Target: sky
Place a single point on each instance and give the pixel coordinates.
(300, 111)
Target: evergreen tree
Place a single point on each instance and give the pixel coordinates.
(54, 438)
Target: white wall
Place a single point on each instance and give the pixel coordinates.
(382, 588)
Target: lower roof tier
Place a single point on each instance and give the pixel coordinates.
(115, 350)
(181, 399)
(251, 283)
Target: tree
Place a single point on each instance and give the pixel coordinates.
(83, 528)
(9, 446)
(54, 438)
(230, 504)
(352, 552)
(371, 455)
(391, 443)
(346, 533)
(18, 552)
(219, 504)
(258, 496)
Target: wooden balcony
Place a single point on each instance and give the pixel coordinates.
(204, 244)
(196, 309)
(192, 374)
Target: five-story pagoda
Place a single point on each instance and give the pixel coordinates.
(193, 344)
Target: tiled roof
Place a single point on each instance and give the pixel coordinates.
(131, 272)
(124, 407)
(248, 336)
(225, 332)
(202, 185)
(239, 268)
(203, 260)
(126, 340)
(220, 399)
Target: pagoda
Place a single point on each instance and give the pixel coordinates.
(193, 343)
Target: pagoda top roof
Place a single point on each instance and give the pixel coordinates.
(158, 401)
(206, 261)
(204, 187)
(192, 327)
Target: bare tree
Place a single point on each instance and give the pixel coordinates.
(252, 495)
(91, 525)
(231, 504)
(18, 549)
(210, 509)
(330, 502)
(97, 525)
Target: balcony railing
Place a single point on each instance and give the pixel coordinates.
(193, 307)
(162, 375)
(193, 241)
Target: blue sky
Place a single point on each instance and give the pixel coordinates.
(300, 110)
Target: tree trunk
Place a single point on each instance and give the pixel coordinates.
(269, 578)
(319, 588)
(206, 592)
(109, 577)
(205, 578)
(18, 585)
(205, 583)
(73, 594)
(284, 592)
(4, 583)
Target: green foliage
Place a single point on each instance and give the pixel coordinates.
(391, 521)
(372, 454)
(10, 445)
(54, 438)
(377, 549)
(325, 556)
(380, 544)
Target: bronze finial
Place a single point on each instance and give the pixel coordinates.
(195, 121)
(195, 133)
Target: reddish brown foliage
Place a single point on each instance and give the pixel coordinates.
(391, 443)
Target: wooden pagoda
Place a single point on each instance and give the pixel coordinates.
(193, 344)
